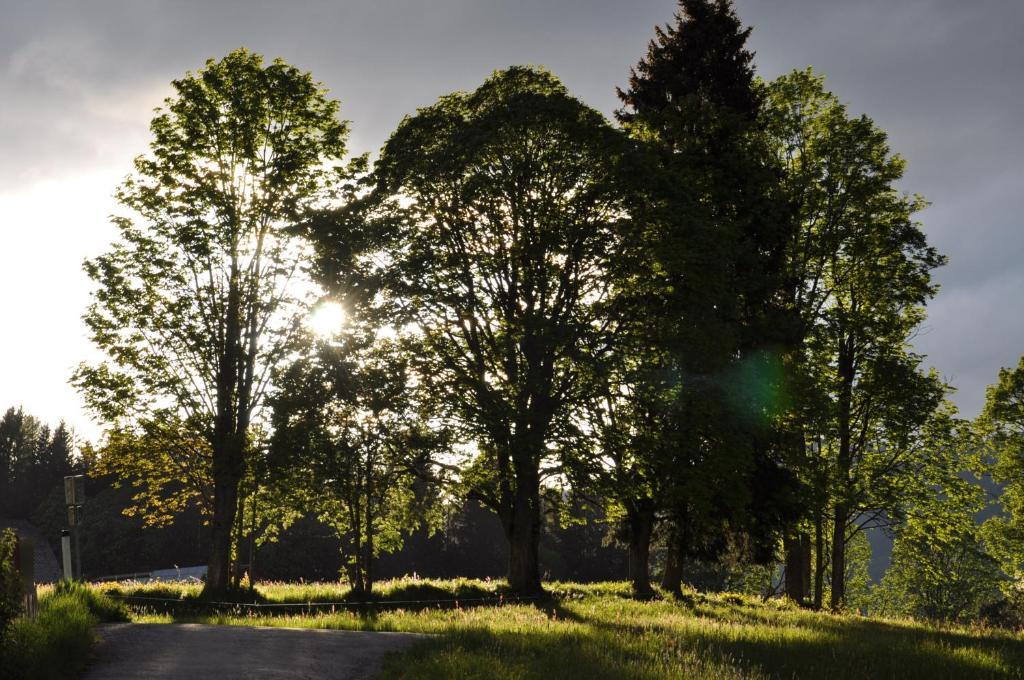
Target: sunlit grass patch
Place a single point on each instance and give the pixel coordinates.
(597, 631)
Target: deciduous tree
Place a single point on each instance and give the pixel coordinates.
(501, 216)
(350, 445)
(201, 295)
(1002, 425)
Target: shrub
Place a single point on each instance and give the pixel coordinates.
(10, 582)
(56, 644)
(53, 645)
(1007, 612)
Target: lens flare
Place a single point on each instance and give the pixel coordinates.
(326, 319)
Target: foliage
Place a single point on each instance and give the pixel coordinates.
(715, 229)
(56, 644)
(940, 565)
(11, 589)
(862, 268)
(350, 446)
(32, 457)
(498, 217)
(1001, 424)
(202, 295)
(939, 571)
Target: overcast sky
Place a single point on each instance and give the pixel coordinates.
(79, 81)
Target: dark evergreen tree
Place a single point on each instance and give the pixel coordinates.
(720, 227)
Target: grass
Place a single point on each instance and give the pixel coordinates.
(56, 644)
(597, 631)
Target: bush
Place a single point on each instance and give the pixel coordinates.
(52, 646)
(56, 644)
(1007, 612)
(10, 582)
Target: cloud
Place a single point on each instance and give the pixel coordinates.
(79, 81)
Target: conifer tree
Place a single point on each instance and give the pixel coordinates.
(719, 236)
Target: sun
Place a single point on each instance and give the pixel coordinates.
(326, 319)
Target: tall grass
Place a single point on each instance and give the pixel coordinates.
(587, 632)
(57, 643)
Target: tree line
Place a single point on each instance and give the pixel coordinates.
(695, 318)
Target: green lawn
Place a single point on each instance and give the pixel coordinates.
(597, 631)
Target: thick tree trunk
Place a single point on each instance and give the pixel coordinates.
(523, 533)
(797, 547)
(523, 557)
(225, 506)
(641, 524)
(672, 579)
(227, 446)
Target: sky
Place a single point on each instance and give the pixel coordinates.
(79, 82)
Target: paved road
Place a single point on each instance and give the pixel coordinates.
(196, 652)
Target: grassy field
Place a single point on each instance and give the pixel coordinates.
(597, 631)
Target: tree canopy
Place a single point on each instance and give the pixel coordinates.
(201, 295)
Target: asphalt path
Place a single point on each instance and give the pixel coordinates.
(195, 652)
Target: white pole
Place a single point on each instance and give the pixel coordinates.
(65, 549)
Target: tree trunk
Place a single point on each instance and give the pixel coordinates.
(819, 560)
(838, 559)
(797, 547)
(794, 579)
(225, 505)
(368, 549)
(843, 465)
(252, 540)
(805, 548)
(239, 541)
(523, 532)
(672, 579)
(641, 524)
(227, 446)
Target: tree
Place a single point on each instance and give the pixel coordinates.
(940, 567)
(859, 268)
(202, 295)
(940, 571)
(32, 460)
(718, 232)
(18, 434)
(349, 442)
(1002, 425)
(879, 278)
(500, 218)
(622, 424)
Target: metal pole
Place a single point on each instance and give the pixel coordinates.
(78, 547)
(65, 550)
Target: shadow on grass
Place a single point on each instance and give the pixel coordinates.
(483, 653)
(821, 646)
(185, 605)
(612, 646)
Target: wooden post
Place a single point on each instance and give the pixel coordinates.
(24, 561)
